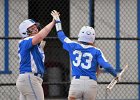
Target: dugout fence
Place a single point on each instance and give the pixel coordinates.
(52, 87)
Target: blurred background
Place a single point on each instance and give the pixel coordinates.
(117, 27)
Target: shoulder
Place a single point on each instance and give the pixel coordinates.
(87, 46)
(98, 49)
(25, 40)
(67, 40)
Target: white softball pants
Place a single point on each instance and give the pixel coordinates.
(30, 87)
(83, 88)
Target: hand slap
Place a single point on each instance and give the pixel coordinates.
(55, 15)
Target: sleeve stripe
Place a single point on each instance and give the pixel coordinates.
(103, 57)
(67, 40)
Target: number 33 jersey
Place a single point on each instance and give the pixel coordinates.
(84, 58)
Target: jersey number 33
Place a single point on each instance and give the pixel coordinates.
(86, 57)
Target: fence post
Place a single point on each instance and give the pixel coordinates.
(91, 13)
(138, 34)
(6, 42)
(118, 36)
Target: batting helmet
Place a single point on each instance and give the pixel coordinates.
(86, 34)
(23, 27)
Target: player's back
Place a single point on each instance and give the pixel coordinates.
(83, 59)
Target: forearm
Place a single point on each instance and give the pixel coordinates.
(43, 33)
(58, 26)
(46, 30)
(109, 69)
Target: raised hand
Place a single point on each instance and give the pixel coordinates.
(55, 15)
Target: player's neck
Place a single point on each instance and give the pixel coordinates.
(85, 43)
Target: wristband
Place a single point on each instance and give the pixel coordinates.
(58, 26)
(58, 21)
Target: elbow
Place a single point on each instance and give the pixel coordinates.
(105, 65)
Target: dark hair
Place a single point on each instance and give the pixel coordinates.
(39, 26)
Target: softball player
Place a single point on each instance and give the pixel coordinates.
(85, 59)
(31, 55)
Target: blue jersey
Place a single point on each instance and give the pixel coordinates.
(84, 58)
(31, 57)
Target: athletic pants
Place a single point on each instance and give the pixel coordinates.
(30, 87)
(83, 88)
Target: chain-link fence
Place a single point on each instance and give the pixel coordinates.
(115, 23)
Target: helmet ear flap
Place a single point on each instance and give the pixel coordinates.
(28, 32)
(24, 34)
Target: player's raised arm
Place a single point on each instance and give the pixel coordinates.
(43, 33)
(58, 25)
(29, 28)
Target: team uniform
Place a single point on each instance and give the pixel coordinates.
(29, 82)
(85, 60)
